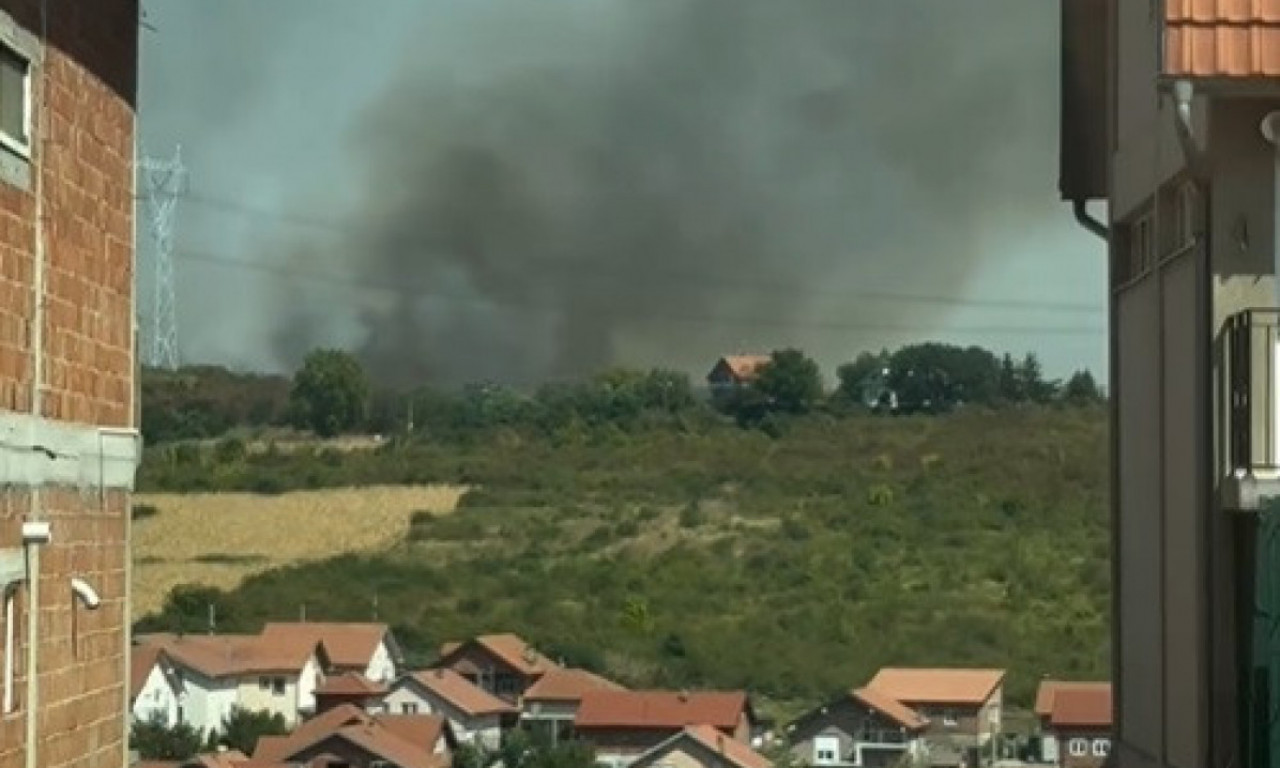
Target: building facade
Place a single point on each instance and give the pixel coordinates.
(68, 412)
(863, 729)
(1170, 118)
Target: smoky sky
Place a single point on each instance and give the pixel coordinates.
(538, 190)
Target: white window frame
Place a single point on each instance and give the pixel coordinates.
(15, 144)
(950, 718)
(1078, 747)
(823, 745)
(409, 708)
(1101, 747)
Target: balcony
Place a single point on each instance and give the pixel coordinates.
(1250, 392)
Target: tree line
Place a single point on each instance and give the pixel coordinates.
(331, 394)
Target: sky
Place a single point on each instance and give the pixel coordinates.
(521, 192)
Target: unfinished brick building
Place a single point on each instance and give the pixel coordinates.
(68, 448)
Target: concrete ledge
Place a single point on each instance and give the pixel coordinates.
(36, 452)
(1249, 492)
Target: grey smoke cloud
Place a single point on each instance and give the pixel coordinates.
(557, 186)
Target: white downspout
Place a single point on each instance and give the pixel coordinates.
(1270, 128)
(33, 545)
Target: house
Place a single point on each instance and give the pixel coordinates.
(369, 649)
(551, 704)
(733, 372)
(348, 736)
(68, 373)
(960, 706)
(622, 725)
(701, 746)
(350, 688)
(227, 758)
(1170, 124)
(862, 729)
(1075, 723)
(504, 664)
(155, 687)
(475, 716)
(222, 672)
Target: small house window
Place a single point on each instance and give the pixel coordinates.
(826, 750)
(264, 683)
(1101, 747)
(277, 686)
(409, 708)
(949, 717)
(15, 101)
(1078, 747)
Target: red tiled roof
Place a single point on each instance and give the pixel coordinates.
(219, 656)
(568, 685)
(461, 692)
(423, 730)
(349, 645)
(1079, 705)
(392, 740)
(730, 749)
(890, 708)
(511, 649)
(742, 367)
(937, 686)
(232, 758)
(142, 659)
(1222, 38)
(660, 709)
(350, 684)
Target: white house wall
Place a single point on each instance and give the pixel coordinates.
(485, 730)
(157, 698)
(382, 667)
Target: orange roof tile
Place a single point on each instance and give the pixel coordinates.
(350, 684)
(660, 709)
(1222, 38)
(730, 749)
(568, 685)
(395, 739)
(219, 656)
(511, 649)
(349, 645)
(1075, 705)
(461, 692)
(741, 367)
(890, 708)
(937, 686)
(232, 758)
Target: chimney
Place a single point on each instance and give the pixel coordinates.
(683, 696)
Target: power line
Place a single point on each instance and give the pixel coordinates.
(164, 181)
(580, 268)
(613, 312)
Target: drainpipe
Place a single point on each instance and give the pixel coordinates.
(1086, 220)
(1270, 128)
(1183, 93)
(35, 533)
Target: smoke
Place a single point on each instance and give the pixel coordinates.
(543, 189)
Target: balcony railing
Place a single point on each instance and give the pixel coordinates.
(1250, 388)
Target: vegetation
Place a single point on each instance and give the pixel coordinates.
(156, 740)
(242, 728)
(330, 393)
(625, 526)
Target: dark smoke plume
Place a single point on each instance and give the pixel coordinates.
(593, 178)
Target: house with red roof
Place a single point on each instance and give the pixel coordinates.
(864, 728)
(476, 716)
(551, 704)
(368, 649)
(733, 372)
(1075, 723)
(623, 725)
(701, 746)
(155, 687)
(502, 664)
(349, 736)
(961, 707)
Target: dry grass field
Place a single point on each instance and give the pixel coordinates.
(219, 539)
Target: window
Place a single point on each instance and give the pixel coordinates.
(277, 686)
(1078, 747)
(15, 101)
(1101, 747)
(826, 750)
(949, 717)
(409, 708)
(264, 683)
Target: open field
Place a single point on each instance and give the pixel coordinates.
(220, 539)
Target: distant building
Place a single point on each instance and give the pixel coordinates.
(623, 725)
(502, 664)
(347, 736)
(476, 716)
(962, 705)
(1075, 723)
(733, 372)
(701, 746)
(862, 729)
(368, 649)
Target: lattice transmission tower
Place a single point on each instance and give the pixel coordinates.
(163, 182)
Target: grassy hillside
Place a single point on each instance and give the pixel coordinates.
(792, 564)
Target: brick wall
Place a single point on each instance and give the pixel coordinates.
(83, 149)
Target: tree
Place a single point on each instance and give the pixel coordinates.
(790, 382)
(861, 380)
(188, 609)
(242, 728)
(330, 392)
(1082, 389)
(1036, 387)
(156, 740)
